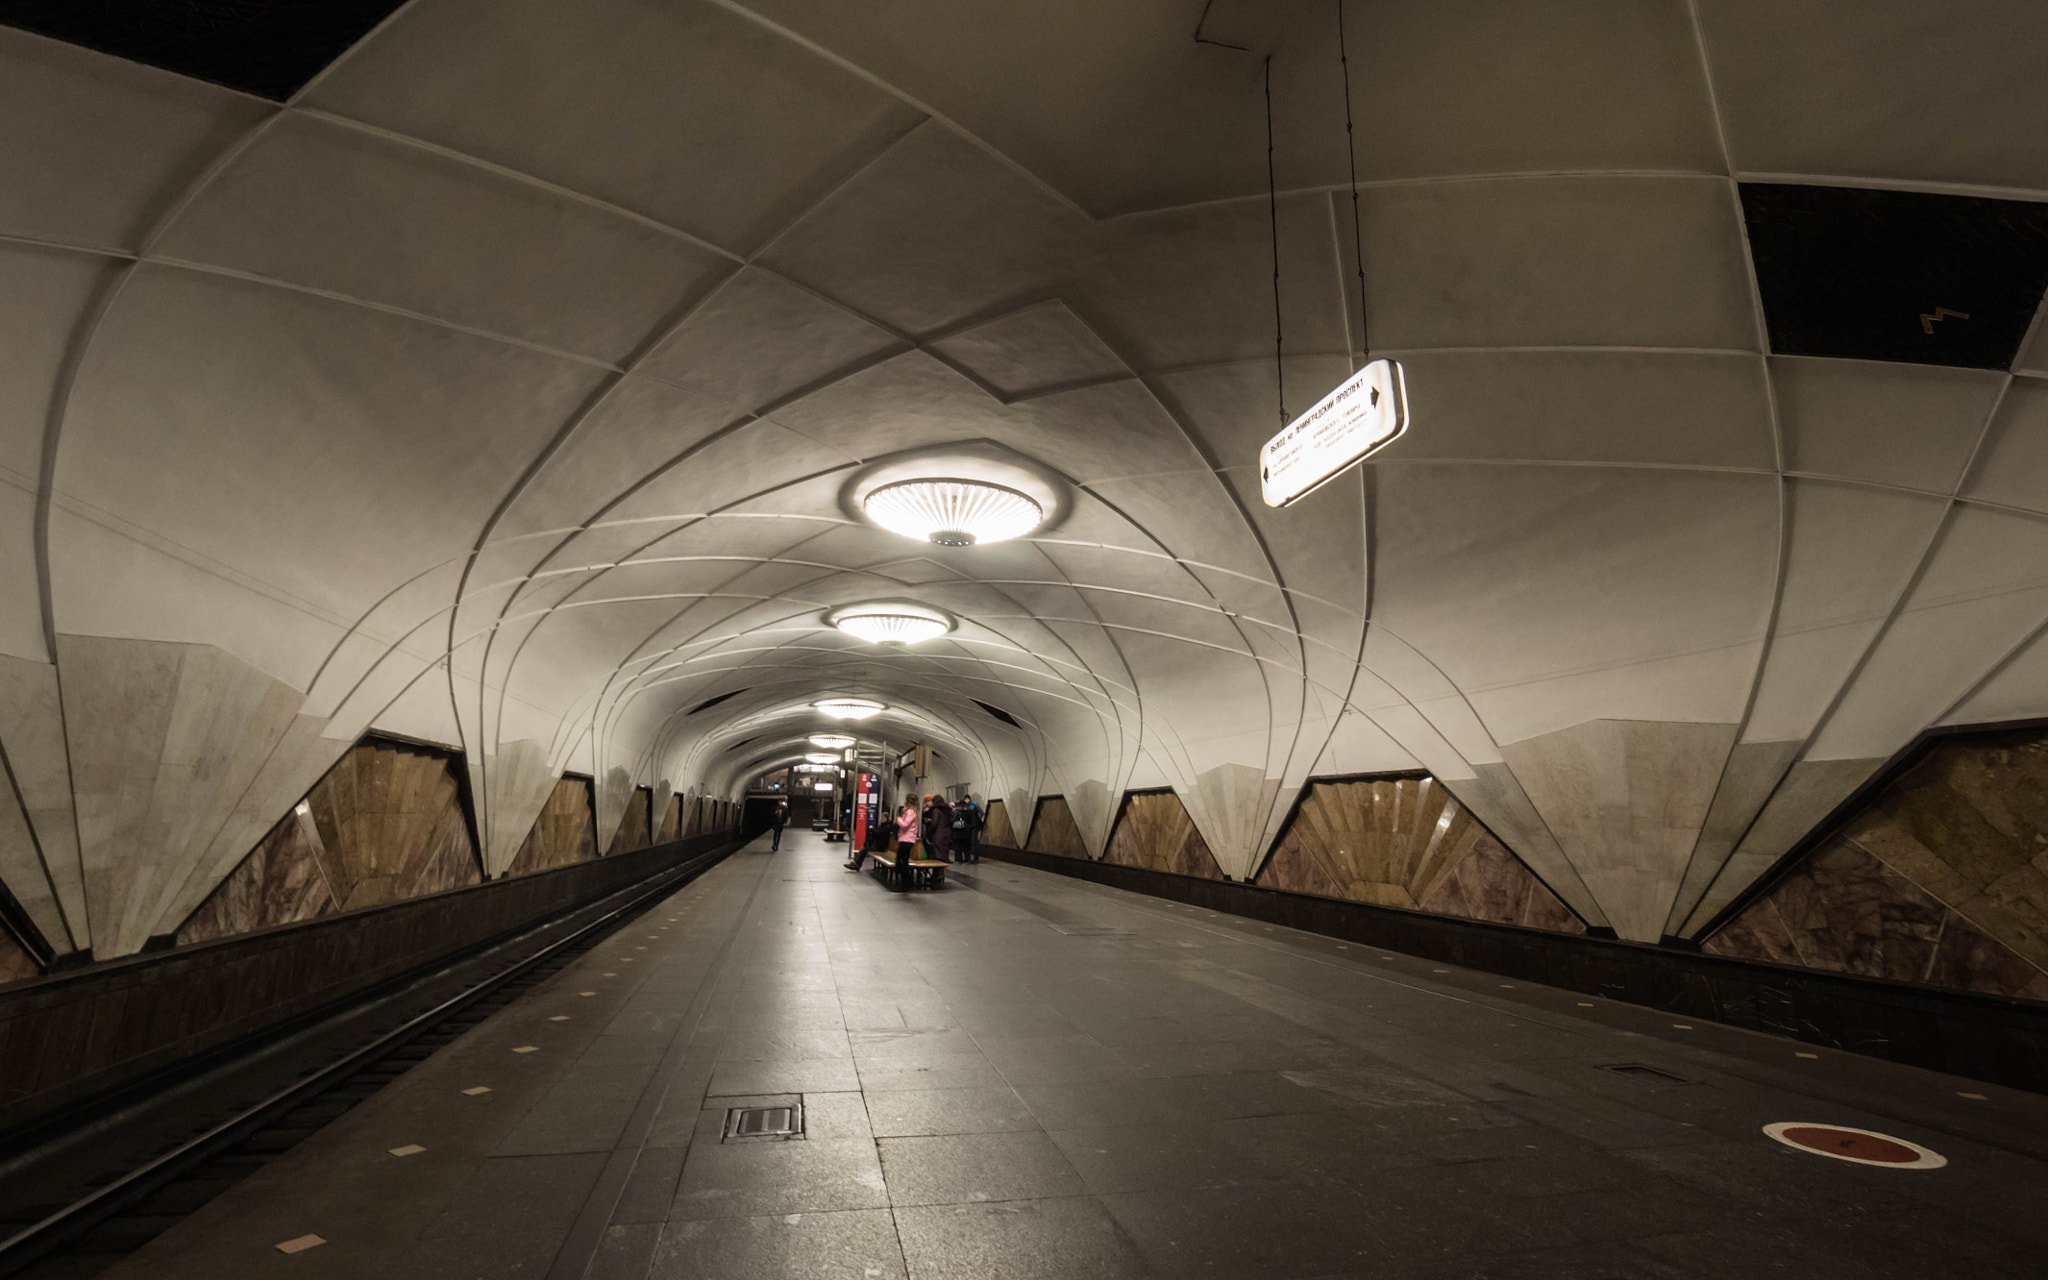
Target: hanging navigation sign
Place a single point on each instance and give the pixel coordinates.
(1366, 413)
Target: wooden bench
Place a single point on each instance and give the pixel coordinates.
(835, 835)
(885, 867)
(927, 873)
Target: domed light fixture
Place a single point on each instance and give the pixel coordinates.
(848, 708)
(890, 623)
(832, 741)
(822, 757)
(953, 513)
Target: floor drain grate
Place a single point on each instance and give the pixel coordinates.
(765, 1122)
(1644, 1071)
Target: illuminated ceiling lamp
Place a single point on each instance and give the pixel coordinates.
(848, 708)
(822, 757)
(832, 741)
(821, 786)
(953, 513)
(890, 623)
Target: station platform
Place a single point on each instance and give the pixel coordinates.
(1023, 1075)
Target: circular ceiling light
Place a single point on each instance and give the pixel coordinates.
(848, 708)
(822, 757)
(953, 513)
(832, 741)
(890, 623)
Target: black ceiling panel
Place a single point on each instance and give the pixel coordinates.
(265, 47)
(1896, 275)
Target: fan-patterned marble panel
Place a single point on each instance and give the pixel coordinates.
(280, 882)
(392, 824)
(565, 832)
(1053, 830)
(1405, 842)
(1155, 832)
(995, 826)
(671, 821)
(633, 828)
(1843, 910)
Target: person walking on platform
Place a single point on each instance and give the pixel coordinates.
(966, 826)
(777, 818)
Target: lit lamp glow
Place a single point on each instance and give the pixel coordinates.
(953, 513)
(848, 708)
(821, 757)
(821, 786)
(832, 741)
(891, 623)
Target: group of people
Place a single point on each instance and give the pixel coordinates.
(946, 830)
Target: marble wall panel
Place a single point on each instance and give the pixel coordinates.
(164, 740)
(614, 796)
(634, 830)
(1627, 800)
(671, 821)
(390, 817)
(16, 963)
(1407, 842)
(1093, 810)
(1969, 824)
(281, 881)
(1053, 829)
(45, 846)
(1490, 883)
(1231, 804)
(565, 831)
(1155, 832)
(514, 785)
(1843, 910)
(995, 826)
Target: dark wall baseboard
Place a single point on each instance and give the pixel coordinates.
(1983, 1037)
(76, 1035)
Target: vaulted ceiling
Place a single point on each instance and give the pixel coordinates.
(506, 383)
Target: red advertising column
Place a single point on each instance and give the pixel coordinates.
(866, 797)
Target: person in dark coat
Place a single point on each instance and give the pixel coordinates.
(778, 817)
(938, 831)
(966, 826)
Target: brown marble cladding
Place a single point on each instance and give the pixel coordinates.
(565, 831)
(391, 825)
(1842, 909)
(1405, 842)
(1968, 824)
(1053, 829)
(1155, 832)
(282, 881)
(671, 821)
(995, 826)
(1942, 878)
(634, 827)
(16, 961)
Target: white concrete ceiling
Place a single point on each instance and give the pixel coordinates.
(504, 385)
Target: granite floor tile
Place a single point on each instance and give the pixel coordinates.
(931, 1112)
(744, 1179)
(1064, 1239)
(857, 1245)
(968, 1168)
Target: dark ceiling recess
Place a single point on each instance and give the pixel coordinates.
(266, 47)
(1896, 275)
(742, 742)
(998, 713)
(712, 702)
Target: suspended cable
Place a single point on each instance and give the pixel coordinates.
(1273, 220)
(1350, 154)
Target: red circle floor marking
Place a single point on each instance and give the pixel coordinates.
(1859, 1146)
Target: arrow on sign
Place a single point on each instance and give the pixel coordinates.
(1927, 319)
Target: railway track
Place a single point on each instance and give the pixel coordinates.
(111, 1212)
